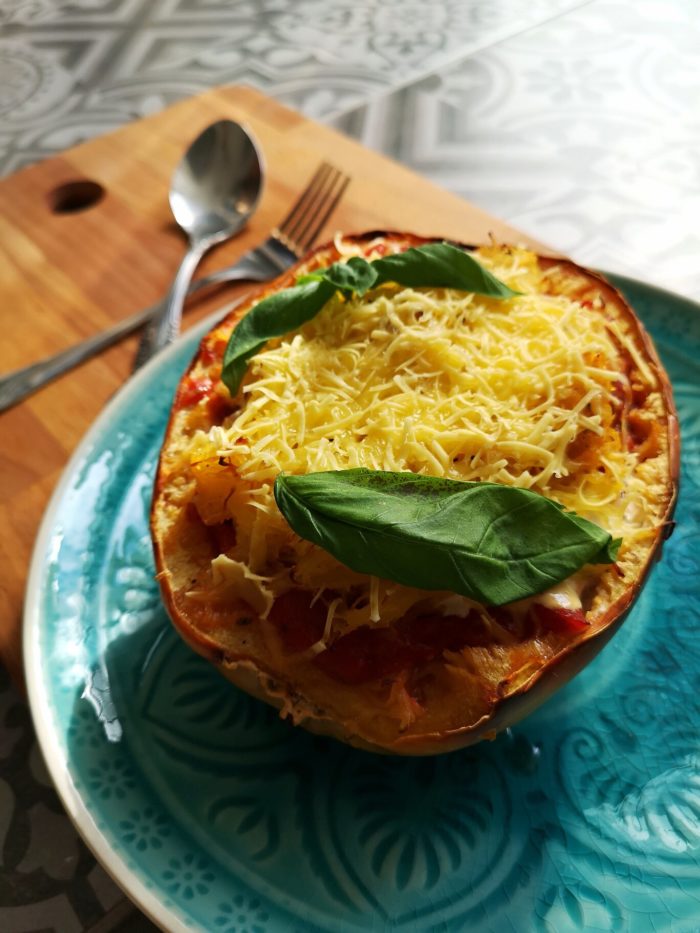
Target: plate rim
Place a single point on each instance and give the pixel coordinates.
(57, 764)
(114, 863)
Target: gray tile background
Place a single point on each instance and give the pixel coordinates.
(584, 132)
(579, 122)
(71, 70)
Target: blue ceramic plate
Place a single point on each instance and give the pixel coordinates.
(215, 815)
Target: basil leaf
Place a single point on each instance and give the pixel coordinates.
(493, 543)
(356, 275)
(608, 553)
(437, 265)
(440, 265)
(271, 317)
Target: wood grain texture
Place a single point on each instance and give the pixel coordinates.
(64, 276)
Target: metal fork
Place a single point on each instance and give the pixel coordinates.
(286, 244)
(297, 233)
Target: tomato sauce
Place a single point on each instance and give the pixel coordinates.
(194, 390)
(366, 654)
(299, 624)
(213, 351)
(373, 653)
(435, 634)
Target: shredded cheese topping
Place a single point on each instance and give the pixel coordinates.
(523, 392)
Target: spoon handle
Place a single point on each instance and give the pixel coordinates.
(18, 384)
(164, 326)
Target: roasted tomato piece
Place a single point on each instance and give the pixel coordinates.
(560, 619)
(213, 351)
(298, 623)
(435, 634)
(193, 390)
(366, 654)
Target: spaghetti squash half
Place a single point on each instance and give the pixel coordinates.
(556, 390)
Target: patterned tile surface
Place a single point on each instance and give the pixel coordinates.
(49, 879)
(73, 70)
(583, 131)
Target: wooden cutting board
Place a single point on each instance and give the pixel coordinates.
(66, 273)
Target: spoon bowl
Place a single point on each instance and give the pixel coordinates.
(217, 185)
(214, 190)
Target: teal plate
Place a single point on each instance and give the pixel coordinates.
(215, 815)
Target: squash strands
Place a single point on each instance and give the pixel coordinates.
(414, 510)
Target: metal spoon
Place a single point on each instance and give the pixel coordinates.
(214, 190)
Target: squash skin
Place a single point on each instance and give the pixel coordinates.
(253, 675)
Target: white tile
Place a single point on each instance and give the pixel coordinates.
(321, 56)
(584, 132)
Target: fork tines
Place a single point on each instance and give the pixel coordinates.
(317, 202)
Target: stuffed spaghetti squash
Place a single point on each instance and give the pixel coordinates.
(528, 383)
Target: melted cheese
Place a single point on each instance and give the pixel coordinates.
(431, 381)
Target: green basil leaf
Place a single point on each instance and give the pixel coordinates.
(271, 317)
(356, 275)
(437, 265)
(609, 551)
(493, 543)
(440, 265)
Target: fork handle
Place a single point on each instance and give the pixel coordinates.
(164, 326)
(19, 384)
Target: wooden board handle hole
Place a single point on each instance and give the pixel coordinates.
(75, 196)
